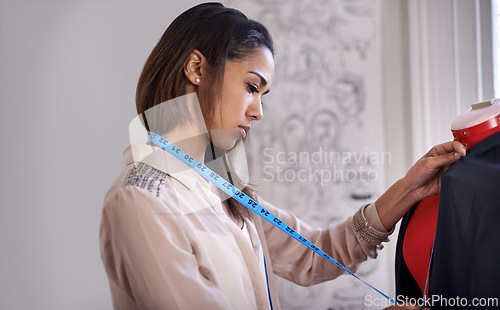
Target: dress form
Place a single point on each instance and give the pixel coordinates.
(481, 121)
(478, 123)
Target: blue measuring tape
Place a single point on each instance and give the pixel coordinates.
(248, 202)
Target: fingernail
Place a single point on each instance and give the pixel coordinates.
(457, 154)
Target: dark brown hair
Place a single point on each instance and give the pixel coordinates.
(220, 34)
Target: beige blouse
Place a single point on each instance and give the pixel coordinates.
(166, 243)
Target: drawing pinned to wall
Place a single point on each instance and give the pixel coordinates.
(361, 176)
(311, 18)
(306, 66)
(333, 64)
(312, 153)
(349, 94)
(294, 134)
(361, 8)
(325, 130)
(297, 100)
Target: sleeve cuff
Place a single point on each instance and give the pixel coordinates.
(373, 218)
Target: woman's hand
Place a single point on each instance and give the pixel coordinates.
(422, 180)
(424, 177)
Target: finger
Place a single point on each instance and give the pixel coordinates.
(442, 160)
(440, 149)
(460, 148)
(448, 147)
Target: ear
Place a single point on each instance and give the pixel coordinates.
(195, 67)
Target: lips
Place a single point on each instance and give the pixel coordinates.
(243, 131)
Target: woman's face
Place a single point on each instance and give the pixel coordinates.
(244, 84)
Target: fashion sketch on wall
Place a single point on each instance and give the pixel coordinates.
(318, 150)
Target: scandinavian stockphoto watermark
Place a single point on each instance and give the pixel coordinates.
(433, 301)
(322, 166)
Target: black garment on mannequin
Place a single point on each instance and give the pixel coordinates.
(466, 255)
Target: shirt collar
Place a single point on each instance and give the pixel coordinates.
(160, 159)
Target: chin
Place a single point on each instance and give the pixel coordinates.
(224, 139)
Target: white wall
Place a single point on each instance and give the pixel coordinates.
(451, 65)
(437, 60)
(68, 72)
(396, 88)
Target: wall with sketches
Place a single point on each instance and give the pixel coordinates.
(319, 149)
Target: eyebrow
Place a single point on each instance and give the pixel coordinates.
(262, 79)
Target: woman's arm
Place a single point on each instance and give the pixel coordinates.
(148, 256)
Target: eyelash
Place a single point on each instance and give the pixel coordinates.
(252, 88)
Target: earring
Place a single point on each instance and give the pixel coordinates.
(197, 80)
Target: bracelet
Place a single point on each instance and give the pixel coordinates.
(367, 232)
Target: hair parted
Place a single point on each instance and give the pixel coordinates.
(219, 33)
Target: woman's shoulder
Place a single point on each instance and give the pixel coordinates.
(140, 186)
(146, 178)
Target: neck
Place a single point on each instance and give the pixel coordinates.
(478, 123)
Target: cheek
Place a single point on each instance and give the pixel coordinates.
(234, 105)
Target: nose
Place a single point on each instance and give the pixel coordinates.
(255, 111)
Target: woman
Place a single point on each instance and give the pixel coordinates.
(169, 239)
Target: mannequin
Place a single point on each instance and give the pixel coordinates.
(480, 125)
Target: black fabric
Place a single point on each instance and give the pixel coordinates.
(466, 259)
